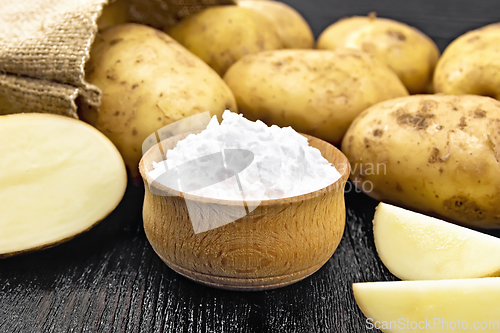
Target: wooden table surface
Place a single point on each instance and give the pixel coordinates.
(110, 280)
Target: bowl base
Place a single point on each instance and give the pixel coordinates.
(244, 284)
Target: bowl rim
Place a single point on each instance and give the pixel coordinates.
(344, 175)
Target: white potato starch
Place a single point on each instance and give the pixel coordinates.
(283, 165)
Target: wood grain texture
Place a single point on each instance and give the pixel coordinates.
(110, 280)
(280, 242)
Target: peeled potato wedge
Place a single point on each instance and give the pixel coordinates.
(431, 306)
(60, 176)
(419, 247)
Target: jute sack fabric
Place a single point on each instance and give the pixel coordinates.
(44, 45)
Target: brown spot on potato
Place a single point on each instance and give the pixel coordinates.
(427, 105)
(464, 206)
(462, 124)
(135, 85)
(434, 156)
(494, 145)
(111, 77)
(399, 188)
(123, 82)
(163, 37)
(478, 113)
(115, 41)
(397, 35)
(419, 121)
(367, 142)
(349, 141)
(134, 131)
(378, 132)
(159, 118)
(117, 113)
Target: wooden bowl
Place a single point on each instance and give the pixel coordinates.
(278, 243)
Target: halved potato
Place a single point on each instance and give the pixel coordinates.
(59, 177)
(431, 306)
(419, 247)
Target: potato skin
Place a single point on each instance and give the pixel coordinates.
(316, 92)
(437, 154)
(471, 64)
(220, 35)
(114, 13)
(148, 81)
(292, 28)
(406, 50)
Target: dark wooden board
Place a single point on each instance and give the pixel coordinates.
(110, 280)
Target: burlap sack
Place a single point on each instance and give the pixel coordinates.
(44, 45)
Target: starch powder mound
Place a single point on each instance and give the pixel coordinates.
(283, 165)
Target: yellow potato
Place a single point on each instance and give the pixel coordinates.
(148, 81)
(436, 154)
(316, 92)
(293, 30)
(406, 50)
(221, 35)
(470, 64)
(114, 13)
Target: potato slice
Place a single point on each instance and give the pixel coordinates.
(431, 306)
(419, 247)
(59, 177)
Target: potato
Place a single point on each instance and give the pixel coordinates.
(419, 247)
(221, 35)
(470, 64)
(59, 177)
(406, 50)
(114, 13)
(316, 92)
(293, 30)
(431, 306)
(432, 153)
(148, 81)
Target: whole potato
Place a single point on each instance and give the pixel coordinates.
(406, 50)
(220, 35)
(316, 92)
(148, 81)
(437, 154)
(471, 64)
(293, 30)
(114, 13)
